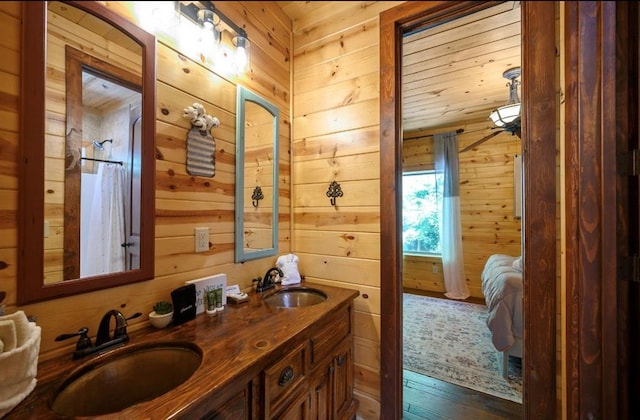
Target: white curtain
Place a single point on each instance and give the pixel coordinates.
(446, 157)
(104, 252)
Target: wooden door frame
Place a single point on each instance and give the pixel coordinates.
(539, 217)
(601, 108)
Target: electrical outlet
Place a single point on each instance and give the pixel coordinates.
(434, 268)
(202, 239)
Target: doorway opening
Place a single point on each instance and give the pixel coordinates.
(539, 227)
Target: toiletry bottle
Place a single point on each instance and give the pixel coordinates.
(219, 305)
(211, 302)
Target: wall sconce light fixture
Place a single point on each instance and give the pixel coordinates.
(214, 26)
(508, 117)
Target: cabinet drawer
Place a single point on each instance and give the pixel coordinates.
(284, 379)
(330, 334)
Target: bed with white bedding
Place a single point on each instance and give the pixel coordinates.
(502, 289)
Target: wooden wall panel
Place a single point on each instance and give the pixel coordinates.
(336, 138)
(183, 202)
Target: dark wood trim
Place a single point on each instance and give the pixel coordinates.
(539, 224)
(30, 284)
(600, 103)
(540, 232)
(628, 229)
(72, 165)
(31, 214)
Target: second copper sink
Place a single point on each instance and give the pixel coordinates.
(295, 297)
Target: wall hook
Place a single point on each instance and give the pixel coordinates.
(257, 196)
(334, 191)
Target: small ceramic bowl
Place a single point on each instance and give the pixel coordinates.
(160, 321)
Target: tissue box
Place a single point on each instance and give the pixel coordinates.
(203, 285)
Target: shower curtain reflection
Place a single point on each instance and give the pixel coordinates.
(102, 250)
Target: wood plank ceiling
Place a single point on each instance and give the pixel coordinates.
(453, 72)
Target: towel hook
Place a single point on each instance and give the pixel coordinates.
(333, 192)
(257, 196)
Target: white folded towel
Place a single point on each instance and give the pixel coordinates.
(289, 266)
(8, 335)
(19, 366)
(23, 329)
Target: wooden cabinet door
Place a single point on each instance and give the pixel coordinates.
(342, 380)
(297, 410)
(321, 389)
(331, 386)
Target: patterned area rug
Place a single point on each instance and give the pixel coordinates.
(450, 341)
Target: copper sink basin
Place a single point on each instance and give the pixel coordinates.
(296, 297)
(121, 378)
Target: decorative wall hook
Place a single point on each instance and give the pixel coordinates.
(334, 191)
(257, 196)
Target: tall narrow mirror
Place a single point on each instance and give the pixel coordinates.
(88, 151)
(257, 131)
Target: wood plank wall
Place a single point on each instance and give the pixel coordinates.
(183, 202)
(336, 138)
(487, 200)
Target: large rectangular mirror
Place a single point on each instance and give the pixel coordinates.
(88, 151)
(257, 131)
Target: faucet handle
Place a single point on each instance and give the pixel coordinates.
(121, 324)
(84, 342)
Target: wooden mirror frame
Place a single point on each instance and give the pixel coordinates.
(241, 255)
(539, 228)
(30, 285)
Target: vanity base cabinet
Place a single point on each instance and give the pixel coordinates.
(315, 379)
(310, 378)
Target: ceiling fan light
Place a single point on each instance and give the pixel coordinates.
(505, 115)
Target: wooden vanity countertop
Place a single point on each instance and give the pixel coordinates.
(237, 343)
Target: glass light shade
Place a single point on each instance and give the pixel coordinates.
(157, 16)
(242, 55)
(505, 115)
(209, 22)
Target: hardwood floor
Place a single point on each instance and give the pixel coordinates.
(433, 399)
(428, 398)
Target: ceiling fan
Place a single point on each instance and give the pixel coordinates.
(507, 117)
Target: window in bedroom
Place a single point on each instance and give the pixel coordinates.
(420, 213)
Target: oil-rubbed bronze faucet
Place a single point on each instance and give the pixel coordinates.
(269, 280)
(103, 340)
(119, 332)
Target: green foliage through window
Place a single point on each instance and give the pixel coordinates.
(420, 213)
